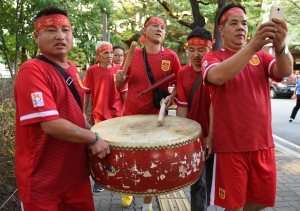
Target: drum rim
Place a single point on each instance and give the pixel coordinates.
(149, 145)
(135, 193)
(114, 145)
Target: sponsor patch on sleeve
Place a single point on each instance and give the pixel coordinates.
(204, 64)
(37, 99)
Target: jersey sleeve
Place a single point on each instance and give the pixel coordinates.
(182, 98)
(176, 64)
(269, 64)
(86, 82)
(124, 89)
(34, 100)
(209, 61)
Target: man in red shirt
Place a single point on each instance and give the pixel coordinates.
(99, 86)
(163, 62)
(237, 76)
(106, 99)
(118, 55)
(51, 132)
(198, 106)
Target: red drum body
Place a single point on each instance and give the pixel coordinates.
(146, 159)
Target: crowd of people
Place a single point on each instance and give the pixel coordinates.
(226, 91)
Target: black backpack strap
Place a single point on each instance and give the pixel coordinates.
(194, 89)
(68, 79)
(148, 69)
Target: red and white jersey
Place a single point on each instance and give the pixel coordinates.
(241, 106)
(46, 166)
(162, 64)
(105, 96)
(199, 108)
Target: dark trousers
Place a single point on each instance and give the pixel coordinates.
(200, 190)
(296, 108)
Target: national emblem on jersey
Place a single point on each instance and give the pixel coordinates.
(165, 65)
(222, 193)
(254, 60)
(79, 80)
(37, 99)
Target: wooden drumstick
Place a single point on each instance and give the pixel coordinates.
(161, 115)
(129, 56)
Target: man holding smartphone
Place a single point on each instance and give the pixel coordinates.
(237, 76)
(277, 12)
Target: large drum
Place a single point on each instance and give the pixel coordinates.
(146, 159)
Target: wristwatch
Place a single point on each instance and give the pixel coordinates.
(284, 51)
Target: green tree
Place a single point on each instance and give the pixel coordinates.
(182, 16)
(16, 26)
(204, 14)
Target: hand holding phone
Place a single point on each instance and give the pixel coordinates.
(277, 12)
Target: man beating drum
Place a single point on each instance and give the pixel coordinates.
(51, 132)
(193, 102)
(99, 87)
(162, 61)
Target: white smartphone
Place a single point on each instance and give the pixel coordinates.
(277, 12)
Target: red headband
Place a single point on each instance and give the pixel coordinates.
(154, 20)
(229, 12)
(197, 41)
(51, 20)
(104, 48)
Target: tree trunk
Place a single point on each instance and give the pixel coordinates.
(217, 36)
(23, 54)
(199, 20)
(6, 53)
(20, 20)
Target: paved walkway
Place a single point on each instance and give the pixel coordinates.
(287, 196)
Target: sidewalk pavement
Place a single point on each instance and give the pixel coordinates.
(287, 196)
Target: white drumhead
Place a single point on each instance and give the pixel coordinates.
(141, 131)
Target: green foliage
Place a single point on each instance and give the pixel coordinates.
(171, 45)
(127, 35)
(125, 21)
(16, 22)
(86, 18)
(182, 39)
(7, 134)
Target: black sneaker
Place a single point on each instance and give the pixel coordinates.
(97, 188)
(291, 120)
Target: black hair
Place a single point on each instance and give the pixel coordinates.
(118, 47)
(200, 32)
(227, 7)
(146, 21)
(50, 11)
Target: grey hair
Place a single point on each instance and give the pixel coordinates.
(101, 43)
